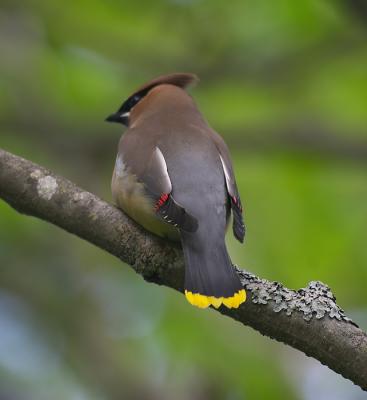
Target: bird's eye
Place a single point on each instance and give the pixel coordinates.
(133, 101)
(129, 104)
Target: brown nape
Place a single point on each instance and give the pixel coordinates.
(177, 80)
(182, 80)
(162, 97)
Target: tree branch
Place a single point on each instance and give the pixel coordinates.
(308, 319)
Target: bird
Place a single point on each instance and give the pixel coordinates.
(173, 175)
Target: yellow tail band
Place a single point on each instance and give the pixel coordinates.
(202, 301)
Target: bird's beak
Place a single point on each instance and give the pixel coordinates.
(119, 118)
(115, 117)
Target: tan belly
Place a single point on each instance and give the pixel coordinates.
(129, 195)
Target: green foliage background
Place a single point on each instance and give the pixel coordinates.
(285, 83)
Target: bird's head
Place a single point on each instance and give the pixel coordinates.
(122, 115)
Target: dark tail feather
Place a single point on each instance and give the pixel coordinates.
(210, 278)
(239, 229)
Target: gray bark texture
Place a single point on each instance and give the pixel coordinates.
(307, 319)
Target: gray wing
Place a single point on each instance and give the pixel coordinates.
(234, 196)
(159, 186)
(155, 175)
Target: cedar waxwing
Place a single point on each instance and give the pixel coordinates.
(173, 175)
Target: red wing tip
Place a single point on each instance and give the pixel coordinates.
(164, 197)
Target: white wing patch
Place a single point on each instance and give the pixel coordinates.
(159, 165)
(227, 175)
(161, 159)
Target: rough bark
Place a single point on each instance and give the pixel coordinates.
(308, 319)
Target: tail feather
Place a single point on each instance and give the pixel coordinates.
(202, 301)
(210, 278)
